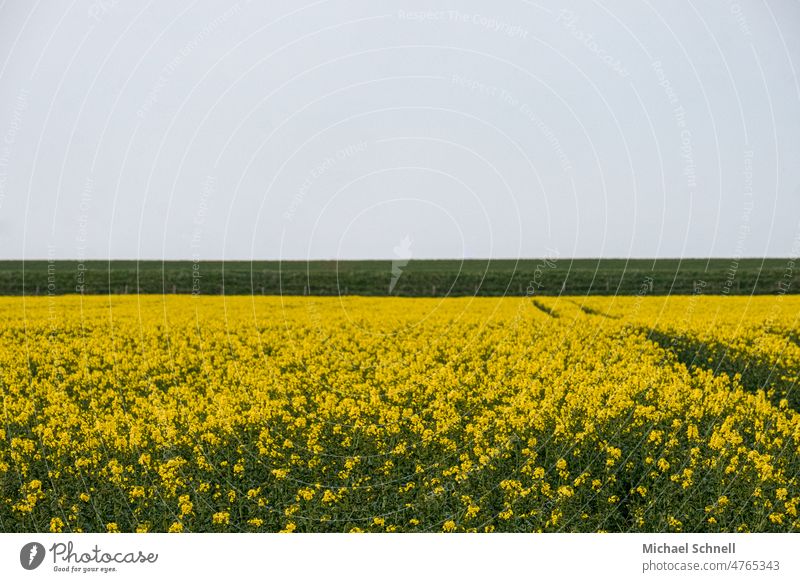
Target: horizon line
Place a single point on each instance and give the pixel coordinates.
(389, 259)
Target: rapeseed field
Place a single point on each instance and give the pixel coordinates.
(308, 414)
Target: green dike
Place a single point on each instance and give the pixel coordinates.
(417, 278)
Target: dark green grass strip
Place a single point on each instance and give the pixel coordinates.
(420, 278)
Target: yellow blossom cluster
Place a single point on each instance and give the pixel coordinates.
(179, 414)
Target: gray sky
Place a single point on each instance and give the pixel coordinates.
(336, 129)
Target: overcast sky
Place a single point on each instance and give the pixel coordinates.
(339, 129)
